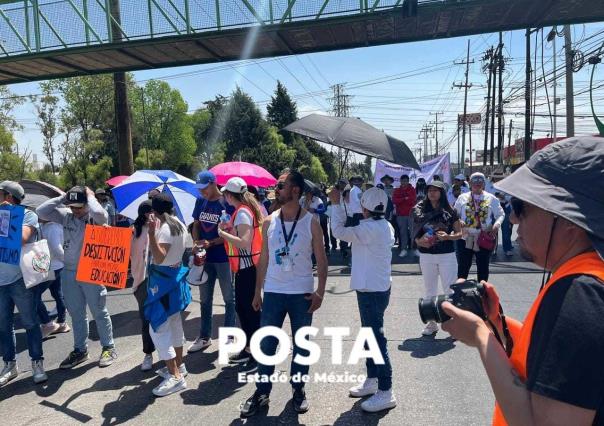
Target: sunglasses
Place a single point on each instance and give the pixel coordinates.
(517, 206)
(281, 185)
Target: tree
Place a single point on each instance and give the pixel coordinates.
(244, 127)
(8, 102)
(47, 110)
(82, 165)
(13, 166)
(281, 110)
(209, 152)
(165, 125)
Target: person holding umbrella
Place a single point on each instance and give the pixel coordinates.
(372, 242)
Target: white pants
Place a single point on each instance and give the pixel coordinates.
(435, 265)
(168, 336)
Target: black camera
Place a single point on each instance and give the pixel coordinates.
(467, 296)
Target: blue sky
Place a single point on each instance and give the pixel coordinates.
(420, 78)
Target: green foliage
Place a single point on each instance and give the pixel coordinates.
(82, 163)
(155, 159)
(47, 111)
(12, 165)
(282, 110)
(8, 102)
(209, 151)
(161, 116)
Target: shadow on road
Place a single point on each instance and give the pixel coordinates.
(427, 346)
(288, 417)
(356, 416)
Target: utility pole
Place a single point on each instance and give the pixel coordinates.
(555, 129)
(570, 100)
(436, 123)
(425, 131)
(466, 86)
(122, 108)
(489, 69)
(340, 108)
(527, 99)
(510, 136)
(493, 113)
(500, 122)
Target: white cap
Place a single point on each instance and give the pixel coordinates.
(235, 185)
(375, 200)
(460, 177)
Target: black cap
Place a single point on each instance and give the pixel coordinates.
(76, 196)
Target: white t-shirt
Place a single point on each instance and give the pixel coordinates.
(354, 205)
(244, 218)
(177, 244)
(315, 203)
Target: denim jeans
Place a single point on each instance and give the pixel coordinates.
(56, 292)
(372, 305)
(11, 295)
(274, 308)
(77, 295)
(222, 271)
(506, 234)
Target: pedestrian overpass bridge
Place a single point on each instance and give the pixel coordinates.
(44, 39)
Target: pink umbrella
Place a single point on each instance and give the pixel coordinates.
(251, 173)
(116, 180)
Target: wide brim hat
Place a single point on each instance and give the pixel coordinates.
(565, 178)
(387, 177)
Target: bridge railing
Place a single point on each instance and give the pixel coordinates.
(32, 26)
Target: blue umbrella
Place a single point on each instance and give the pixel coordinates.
(132, 191)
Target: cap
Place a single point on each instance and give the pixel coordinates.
(438, 184)
(162, 203)
(76, 197)
(565, 178)
(477, 176)
(205, 178)
(13, 188)
(100, 191)
(460, 177)
(235, 185)
(375, 200)
(356, 179)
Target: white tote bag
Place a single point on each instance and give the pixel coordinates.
(35, 263)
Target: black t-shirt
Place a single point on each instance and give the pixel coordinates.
(565, 360)
(443, 221)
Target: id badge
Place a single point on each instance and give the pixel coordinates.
(286, 263)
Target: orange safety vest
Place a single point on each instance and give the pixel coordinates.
(584, 264)
(233, 252)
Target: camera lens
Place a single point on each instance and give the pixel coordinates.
(430, 309)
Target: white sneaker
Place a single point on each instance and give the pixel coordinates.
(199, 344)
(170, 386)
(402, 253)
(147, 364)
(382, 400)
(50, 328)
(430, 329)
(368, 387)
(37, 371)
(509, 253)
(9, 372)
(165, 374)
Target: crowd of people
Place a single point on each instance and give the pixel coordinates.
(265, 255)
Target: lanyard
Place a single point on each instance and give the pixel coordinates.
(291, 232)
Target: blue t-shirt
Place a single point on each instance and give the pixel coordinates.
(208, 214)
(11, 273)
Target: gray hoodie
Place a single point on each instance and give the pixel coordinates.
(73, 228)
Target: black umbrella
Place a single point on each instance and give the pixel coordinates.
(37, 192)
(353, 134)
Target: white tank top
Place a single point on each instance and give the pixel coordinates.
(299, 279)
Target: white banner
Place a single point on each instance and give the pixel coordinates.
(437, 166)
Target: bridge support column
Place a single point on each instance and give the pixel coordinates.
(122, 124)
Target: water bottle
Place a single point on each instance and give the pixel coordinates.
(225, 217)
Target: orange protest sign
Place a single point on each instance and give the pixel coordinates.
(105, 255)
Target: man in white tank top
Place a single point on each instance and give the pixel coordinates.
(290, 236)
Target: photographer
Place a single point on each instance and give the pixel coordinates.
(554, 374)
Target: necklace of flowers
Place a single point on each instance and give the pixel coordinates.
(471, 213)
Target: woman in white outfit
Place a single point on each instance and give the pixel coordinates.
(372, 240)
(436, 225)
(168, 294)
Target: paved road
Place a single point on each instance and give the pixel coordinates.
(437, 381)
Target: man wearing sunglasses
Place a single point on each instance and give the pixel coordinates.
(555, 371)
(82, 209)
